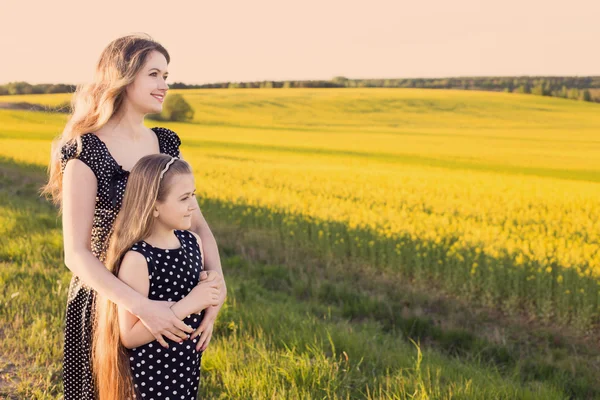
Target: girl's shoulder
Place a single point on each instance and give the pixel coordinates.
(192, 236)
(133, 263)
(140, 247)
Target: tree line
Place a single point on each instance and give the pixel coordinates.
(577, 88)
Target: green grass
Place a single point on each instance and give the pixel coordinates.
(268, 342)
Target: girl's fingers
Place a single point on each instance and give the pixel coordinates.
(201, 341)
(206, 344)
(199, 330)
(204, 339)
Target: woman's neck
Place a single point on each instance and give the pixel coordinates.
(125, 122)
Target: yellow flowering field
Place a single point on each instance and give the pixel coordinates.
(492, 195)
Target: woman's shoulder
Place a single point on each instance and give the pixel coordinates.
(170, 139)
(84, 148)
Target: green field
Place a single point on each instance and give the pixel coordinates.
(350, 222)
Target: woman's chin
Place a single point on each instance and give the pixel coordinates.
(155, 109)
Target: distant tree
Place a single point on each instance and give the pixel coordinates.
(19, 88)
(177, 109)
(564, 93)
(60, 88)
(573, 93)
(340, 80)
(586, 95)
(287, 85)
(538, 90)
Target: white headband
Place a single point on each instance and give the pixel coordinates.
(167, 167)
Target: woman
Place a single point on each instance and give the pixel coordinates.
(103, 139)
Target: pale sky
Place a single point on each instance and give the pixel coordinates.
(213, 41)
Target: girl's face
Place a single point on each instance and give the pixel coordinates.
(149, 88)
(175, 211)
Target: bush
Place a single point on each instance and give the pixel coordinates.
(175, 108)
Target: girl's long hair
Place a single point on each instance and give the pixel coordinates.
(92, 105)
(110, 362)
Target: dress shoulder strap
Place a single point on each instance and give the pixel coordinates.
(144, 250)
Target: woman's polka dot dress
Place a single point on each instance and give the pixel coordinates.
(111, 181)
(172, 373)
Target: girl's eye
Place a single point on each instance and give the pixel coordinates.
(190, 196)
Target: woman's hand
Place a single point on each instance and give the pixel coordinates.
(160, 320)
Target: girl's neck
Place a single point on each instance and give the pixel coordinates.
(163, 237)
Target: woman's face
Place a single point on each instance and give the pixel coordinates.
(149, 88)
(176, 210)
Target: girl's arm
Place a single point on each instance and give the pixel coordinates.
(79, 198)
(134, 272)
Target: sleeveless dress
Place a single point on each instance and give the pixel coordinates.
(172, 373)
(111, 179)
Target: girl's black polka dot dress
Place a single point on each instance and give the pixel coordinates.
(111, 180)
(172, 373)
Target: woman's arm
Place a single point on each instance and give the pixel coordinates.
(79, 198)
(134, 272)
(212, 262)
(210, 254)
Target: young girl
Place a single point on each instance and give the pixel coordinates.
(152, 250)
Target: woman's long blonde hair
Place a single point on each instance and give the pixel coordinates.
(110, 362)
(92, 105)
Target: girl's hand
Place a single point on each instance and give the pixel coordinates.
(207, 293)
(205, 337)
(160, 320)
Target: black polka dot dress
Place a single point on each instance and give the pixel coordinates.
(111, 181)
(172, 373)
